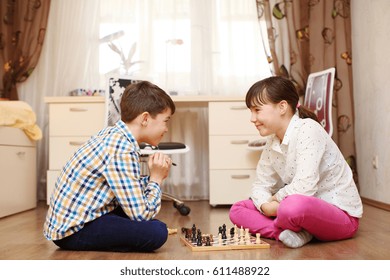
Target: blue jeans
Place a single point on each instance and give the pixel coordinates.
(116, 232)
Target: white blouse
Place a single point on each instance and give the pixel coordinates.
(307, 162)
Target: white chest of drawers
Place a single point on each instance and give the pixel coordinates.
(72, 121)
(232, 164)
(18, 189)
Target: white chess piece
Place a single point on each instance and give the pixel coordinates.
(241, 231)
(258, 238)
(247, 233)
(235, 238)
(247, 237)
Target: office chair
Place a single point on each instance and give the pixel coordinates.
(319, 95)
(116, 87)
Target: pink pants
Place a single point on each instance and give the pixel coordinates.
(324, 221)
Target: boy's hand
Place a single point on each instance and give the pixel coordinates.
(159, 166)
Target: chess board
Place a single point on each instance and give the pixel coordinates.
(240, 242)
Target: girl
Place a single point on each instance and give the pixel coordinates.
(304, 188)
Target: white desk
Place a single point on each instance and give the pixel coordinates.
(73, 119)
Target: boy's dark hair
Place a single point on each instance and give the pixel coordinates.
(275, 89)
(144, 97)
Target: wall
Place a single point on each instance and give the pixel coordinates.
(370, 43)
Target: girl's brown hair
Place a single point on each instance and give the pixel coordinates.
(275, 89)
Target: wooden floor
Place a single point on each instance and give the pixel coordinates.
(21, 238)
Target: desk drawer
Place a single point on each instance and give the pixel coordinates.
(18, 189)
(230, 118)
(231, 152)
(62, 148)
(230, 186)
(71, 119)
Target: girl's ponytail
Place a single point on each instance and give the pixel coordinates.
(304, 113)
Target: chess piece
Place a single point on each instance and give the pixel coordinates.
(199, 241)
(232, 232)
(193, 229)
(235, 238)
(258, 241)
(224, 233)
(199, 235)
(220, 238)
(241, 232)
(247, 234)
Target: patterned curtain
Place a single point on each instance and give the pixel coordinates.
(22, 31)
(306, 36)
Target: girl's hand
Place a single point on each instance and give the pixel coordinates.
(270, 209)
(159, 166)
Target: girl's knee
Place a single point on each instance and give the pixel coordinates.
(241, 210)
(238, 207)
(293, 205)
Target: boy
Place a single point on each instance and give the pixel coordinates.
(101, 202)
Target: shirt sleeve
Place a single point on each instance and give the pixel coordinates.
(267, 181)
(139, 198)
(310, 148)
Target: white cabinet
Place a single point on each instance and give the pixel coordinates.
(18, 189)
(72, 121)
(232, 164)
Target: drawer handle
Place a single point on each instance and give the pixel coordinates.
(21, 154)
(75, 143)
(240, 176)
(238, 107)
(78, 109)
(239, 142)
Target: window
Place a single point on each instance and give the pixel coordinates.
(184, 46)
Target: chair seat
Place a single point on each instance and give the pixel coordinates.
(257, 145)
(171, 145)
(165, 147)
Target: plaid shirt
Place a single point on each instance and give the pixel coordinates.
(102, 174)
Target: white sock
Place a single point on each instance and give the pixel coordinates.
(294, 239)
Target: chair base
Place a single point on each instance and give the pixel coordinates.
(167, 148)
(178, 204)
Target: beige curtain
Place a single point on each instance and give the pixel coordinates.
(306, 36)
(22, 31)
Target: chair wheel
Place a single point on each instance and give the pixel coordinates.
(183, 209)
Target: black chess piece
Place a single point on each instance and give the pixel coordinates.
(208, 243)
(193, 228)
(199, 240)
(232, 232)
(193, 233)
(224, 232)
